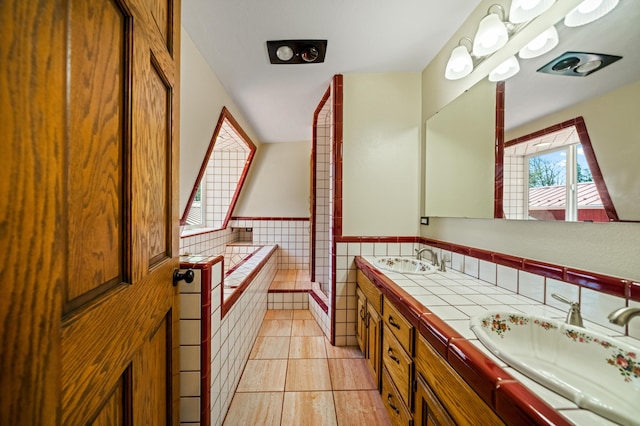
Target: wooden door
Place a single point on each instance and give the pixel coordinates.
(374, 342)
(89, 317)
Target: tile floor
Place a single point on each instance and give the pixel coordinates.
(294, 376)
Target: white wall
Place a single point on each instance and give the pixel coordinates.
(278, 183)
(201, 100)
(381, 161)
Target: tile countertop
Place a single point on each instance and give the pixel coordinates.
(439, 305)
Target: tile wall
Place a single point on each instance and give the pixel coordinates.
(209, 243)
(223, 174)
(290, 234)
(323, 196)
(230, 340)
(514, 195)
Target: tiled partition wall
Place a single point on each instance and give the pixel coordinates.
(291, 234)
(323, 196)
(514, 207)
(206, 388)
(598, 294)
(210, 243)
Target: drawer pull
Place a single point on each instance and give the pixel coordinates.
(393, 407)
(393, 323)
(390, 353)
(362, 313)
(367, 318)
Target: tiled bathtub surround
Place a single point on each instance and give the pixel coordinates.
(222, 340)
(208, 243)
(440, 306)
(290, 234)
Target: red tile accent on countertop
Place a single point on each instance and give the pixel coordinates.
(498, 189)
(508, 260)
(545, 269)
(634, 291)
(481, 254)
(437, 332)
(516, 405)
(293, 219)
(480, 372)
(604, 283)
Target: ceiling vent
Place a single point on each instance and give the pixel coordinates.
(296, 51)
(578, 64)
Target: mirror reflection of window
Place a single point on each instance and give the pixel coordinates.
(221, 176)
(549, 178)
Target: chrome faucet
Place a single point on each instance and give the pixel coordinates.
(434, 255)
(573, 316)
(622, 316)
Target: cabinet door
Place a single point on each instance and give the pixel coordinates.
(374, 342)
(361, 328)
(428, 410)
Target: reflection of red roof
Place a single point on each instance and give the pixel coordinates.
(545, 197)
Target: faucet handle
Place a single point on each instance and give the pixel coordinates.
(573, 316)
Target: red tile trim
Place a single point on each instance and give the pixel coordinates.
(602, 283)
(292, 219)
(481, 254)
(354, 239)
(205, 333)
(634, 291)
(227, 304)
(237, 265)
(319, 301)
(498, 211)
(288, 290)
(516, 405)
(508, 260)
(545, 269)
(480, 372)
(337, 99)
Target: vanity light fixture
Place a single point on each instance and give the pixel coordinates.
(589, 11)
(460, 63)
(492, 33)
(296, 51)
(505, 70)
(540, 45)
(525, 10)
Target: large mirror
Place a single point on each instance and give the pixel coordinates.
(221, 177)
(607, 101)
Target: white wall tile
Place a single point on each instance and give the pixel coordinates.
(531, 285)
(507, 278)
(596, 307)
(487, 271)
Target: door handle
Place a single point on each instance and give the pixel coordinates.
(187, 276)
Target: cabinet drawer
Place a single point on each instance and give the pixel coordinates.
(399, 365)
(398, 412)
(399, 326)
(371, 292)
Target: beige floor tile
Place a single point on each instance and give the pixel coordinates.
(307, 375)
(306, 328)
(270, 347)
(308, 409)
(350, 374)
(360, 408)
(263, 375)
(307, 347)
(278, 314)
(275, 328)
(342, 351)
(302, 314)
(263, 408)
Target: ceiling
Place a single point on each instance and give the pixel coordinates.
(364, 36)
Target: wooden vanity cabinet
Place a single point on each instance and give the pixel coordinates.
(369, 324)
(428, 410)
(398, 412)
(445, 392)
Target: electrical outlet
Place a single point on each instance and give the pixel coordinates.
(424, 220)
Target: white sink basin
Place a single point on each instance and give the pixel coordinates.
(405, 265)
(597, 372)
